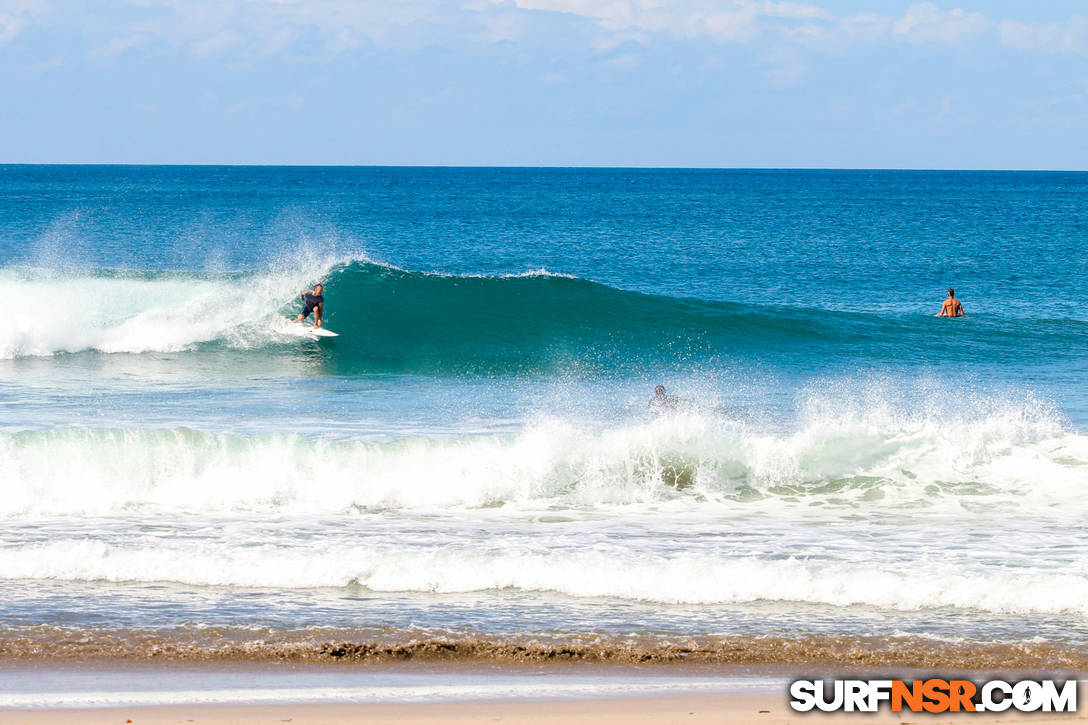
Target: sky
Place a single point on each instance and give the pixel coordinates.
(694, 83)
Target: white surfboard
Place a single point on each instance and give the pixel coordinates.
(306, 329)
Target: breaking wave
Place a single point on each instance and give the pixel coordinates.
(1014, 455)
(395, 320)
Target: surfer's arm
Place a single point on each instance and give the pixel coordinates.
(318, 311)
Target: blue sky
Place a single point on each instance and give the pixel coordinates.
(726, 83)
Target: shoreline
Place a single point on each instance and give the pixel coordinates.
(338, 647)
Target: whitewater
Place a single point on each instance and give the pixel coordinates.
(1015, 459)
(474, 459)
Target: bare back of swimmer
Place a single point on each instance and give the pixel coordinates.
(951, 306)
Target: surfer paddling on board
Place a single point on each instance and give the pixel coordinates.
(312, 302)
(951, 307)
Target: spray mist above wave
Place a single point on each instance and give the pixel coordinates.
(1007, 458)
(138, 312)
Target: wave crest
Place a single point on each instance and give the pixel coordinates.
(1009, 458)
(395, 320)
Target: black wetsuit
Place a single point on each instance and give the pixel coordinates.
(309, 302)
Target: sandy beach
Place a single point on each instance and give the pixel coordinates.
(763, 709)
(138, 693)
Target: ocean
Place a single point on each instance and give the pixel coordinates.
(472, 468)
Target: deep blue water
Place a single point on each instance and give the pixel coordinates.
(845, 240)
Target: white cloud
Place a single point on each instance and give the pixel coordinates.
(920, 24)
(864, 27)
(251, 30)
(730, 21)
(786, 65)
(926, 23)
(119, 45)
(24, 7)
(9, 27)
(1068, 37)
(257, 29)
(16, 14)
(735, 21)
(797, 11)
(218, 43)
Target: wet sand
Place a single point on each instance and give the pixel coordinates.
(329, 646)
(126, 691)
(730, 709)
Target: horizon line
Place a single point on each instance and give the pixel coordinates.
(617, 167)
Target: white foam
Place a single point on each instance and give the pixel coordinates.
(1008, 459)
(641, 570)
(132, 313)
(884, 510)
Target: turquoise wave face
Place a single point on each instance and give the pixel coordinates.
(390, 319)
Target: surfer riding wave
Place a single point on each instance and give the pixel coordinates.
(312, 302)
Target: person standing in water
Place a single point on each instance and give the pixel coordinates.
(951, 307)
(312, 302)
